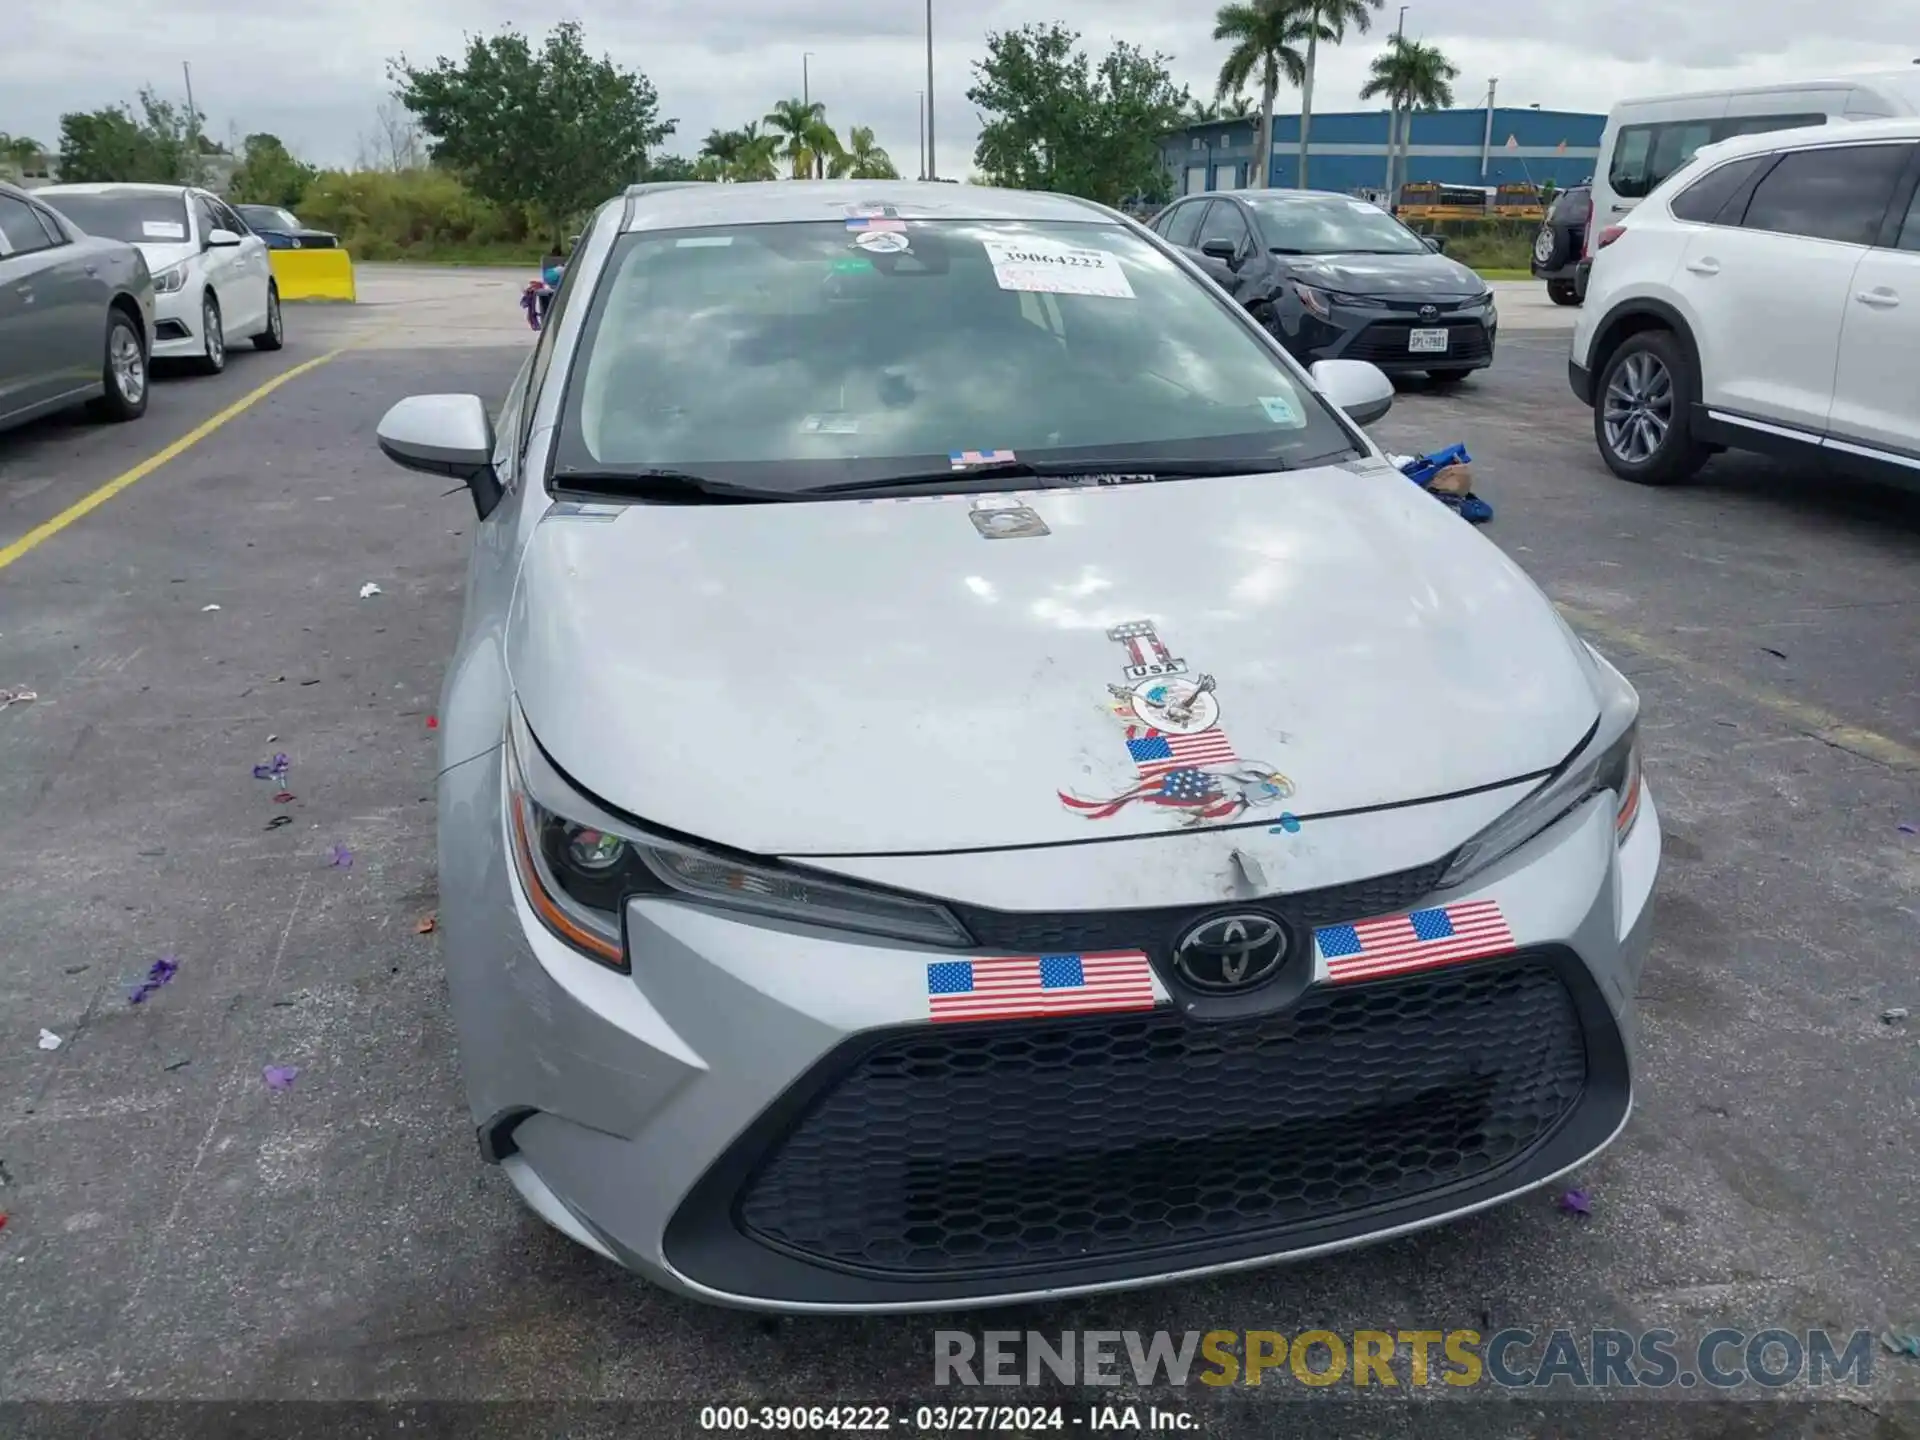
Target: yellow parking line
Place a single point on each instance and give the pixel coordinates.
(146, 467)
(1822, 725)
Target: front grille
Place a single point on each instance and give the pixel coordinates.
(947, 1152)
(1466, 342)
(1154, 931)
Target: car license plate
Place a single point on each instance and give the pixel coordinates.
(1427, 342)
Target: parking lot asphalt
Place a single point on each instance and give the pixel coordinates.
(178, 1230)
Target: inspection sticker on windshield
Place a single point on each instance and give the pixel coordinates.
(1282, 411)
(1058, 270)
(162, 230)
(830, 425)
(881, 242)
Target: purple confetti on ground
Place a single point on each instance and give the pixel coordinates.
(1910, 829)
(280, 1077)
(158, 974)
(1577, 1202)
(340, 858)
(274, 769)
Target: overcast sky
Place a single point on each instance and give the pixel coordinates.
(314, 72)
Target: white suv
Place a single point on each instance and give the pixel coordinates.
(1753, 301)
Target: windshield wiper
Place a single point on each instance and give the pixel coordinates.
(1115, 470)
(672, 486)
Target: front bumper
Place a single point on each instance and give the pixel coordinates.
(731, 1127)
(176, 324)
(1384, 336)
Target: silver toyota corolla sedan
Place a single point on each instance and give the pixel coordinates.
(967, 777)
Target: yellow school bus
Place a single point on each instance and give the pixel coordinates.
(1428, 200)
(1518, 201)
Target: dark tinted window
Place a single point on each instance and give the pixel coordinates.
(1910, 227)
(1838, 192)
(1183, 225)
(1225, 222)
(20, 232)
(1761, 124)
(1331, 225)
(1713, 193)
(1644, 155)
(135, 215)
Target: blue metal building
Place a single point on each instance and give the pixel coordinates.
(1349, 149)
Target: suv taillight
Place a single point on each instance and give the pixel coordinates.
(1611, 234)
(1586, 236)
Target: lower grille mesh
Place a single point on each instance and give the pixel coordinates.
(950, 1151)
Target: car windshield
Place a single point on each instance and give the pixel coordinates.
(269, 217)
(801, 355)
(135, 215)
(1331, 225)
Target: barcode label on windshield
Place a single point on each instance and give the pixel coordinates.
(1058, 270)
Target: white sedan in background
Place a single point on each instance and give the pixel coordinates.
(211, 279)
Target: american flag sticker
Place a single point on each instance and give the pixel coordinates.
(1155, 754)
(1471, 930)
(876, 222)
(1014, 987)
(962, 459)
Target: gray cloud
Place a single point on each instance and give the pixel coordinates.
(313, 73)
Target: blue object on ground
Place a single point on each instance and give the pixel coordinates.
(1422, 469)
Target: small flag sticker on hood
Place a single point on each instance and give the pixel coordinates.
(1010, 987)
(1471, 930)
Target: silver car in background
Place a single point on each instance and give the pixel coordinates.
(967, 777)
(76, 317)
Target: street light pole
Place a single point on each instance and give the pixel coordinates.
(933, 165)
(921, 96)
(806, 90)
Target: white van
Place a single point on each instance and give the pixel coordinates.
(1647, 140)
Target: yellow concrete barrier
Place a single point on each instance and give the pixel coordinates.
(313, 274)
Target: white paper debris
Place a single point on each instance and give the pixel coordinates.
(49, 1040)
(205, 608)
(368, 590)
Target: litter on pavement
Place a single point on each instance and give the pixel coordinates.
(16, 697)
(1893, 1015)
(427, 924)
(158, 974)
(205, 608)
(1902, 1342)
(1906, 829)
(1577, 1202)
(340, 858)
(49, 1040)
(274, 769)
(369, 590)
(1447, 475)
(280, 1077)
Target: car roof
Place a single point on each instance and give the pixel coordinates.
(1839, 132)
(774, 202)
(115, 187)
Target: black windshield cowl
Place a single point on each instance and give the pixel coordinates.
(668, 487)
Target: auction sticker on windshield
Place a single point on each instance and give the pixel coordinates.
(1057, 270)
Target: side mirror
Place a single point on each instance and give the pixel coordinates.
(446, 435)
(1363, 391)
(1223, 250)
(1436, 243)
(221, 239)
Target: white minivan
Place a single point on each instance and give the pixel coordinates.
(1647, 140)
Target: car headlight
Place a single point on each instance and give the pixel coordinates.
(166, 281)
(579, 866)
(1320, 301)
(1608, 761)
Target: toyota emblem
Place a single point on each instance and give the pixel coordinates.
(1427, 312)
(1230, 952)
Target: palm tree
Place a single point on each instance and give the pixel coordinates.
(1326, 20)
(723, 147)
(21, 152)
(758, 153)
(861, 159)
(1221, 107)
(1413, 77)
(810, 141)
(1265, 34)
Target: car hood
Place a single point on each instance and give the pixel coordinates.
(162, 253)
(880, 677)
(1426, 274)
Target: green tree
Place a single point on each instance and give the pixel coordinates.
(555, 130)
(862, 159)
(163, 145)
(1221, 107)
(1327, 20)
(268, 174)
(671, 167)
(1410, 76)
(21, 153)
(1266, 36)
(1055, 120)
(723, 147)
(807, 141)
